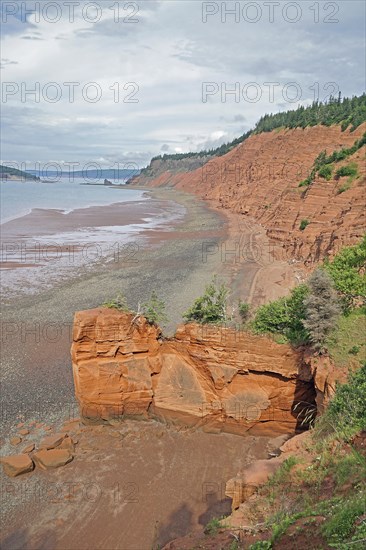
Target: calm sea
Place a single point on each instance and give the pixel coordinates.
(18, 198)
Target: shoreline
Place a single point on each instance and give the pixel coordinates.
(178, 263)
(177, 260)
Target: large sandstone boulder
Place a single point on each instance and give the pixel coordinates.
(16, 465)
(215, 378)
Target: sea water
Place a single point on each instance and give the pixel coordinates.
(19, 198)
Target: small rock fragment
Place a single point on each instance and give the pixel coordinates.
(29, 448)
(52, 441)
(68, 443)
(15, 440)
(23, 431)
(52, 458)
(17, 464)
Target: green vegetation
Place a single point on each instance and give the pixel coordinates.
(323, 164)
(348, 272)
(324, 499)
(348, 170)
(321, 309)
(308, 315)
(326, 172)
(346, 412)
(346, 111)
(354, 350)
(119, 303)
(6, 171)
(211, 307)
(261, 545)
(343, 188)
(348, 339)
(244, 310)
(284, 316)
(154, 310)
(213, 526)
(303, 224)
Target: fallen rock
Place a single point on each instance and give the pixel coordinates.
(246, 483)
(29, 448)
(296, 445)
(68, 443)
(15, 440)
(16, 465)
(23, 431)
(52, 441)
(53, 458)
(20, 425)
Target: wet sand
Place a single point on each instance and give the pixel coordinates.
(135, 487)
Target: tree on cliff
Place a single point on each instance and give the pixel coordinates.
(211, 307)
(154, 310)
(348, 272)
(321, 309)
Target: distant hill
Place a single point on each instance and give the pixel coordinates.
(7, 173)
(89, 175)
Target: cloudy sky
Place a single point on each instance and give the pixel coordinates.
(119, 82)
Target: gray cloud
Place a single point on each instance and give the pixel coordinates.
(168, 55)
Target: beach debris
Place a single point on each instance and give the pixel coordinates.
(16, 465)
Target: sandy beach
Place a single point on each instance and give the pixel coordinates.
(177, 259)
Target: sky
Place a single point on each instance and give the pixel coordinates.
(115, 83)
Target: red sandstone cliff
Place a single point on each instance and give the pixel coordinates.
(215, 378)
(260, 179)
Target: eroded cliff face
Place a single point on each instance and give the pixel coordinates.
(260, 179)
(217, 379)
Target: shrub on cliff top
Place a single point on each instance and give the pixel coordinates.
(321, 307)
(348, 271)
(154, 310)
(119, 303)
(211, 307)
(244, 310)
(284, 316)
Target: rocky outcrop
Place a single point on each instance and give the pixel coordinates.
(260, 180)
(217, 379)
(325, 376)
(242, 488)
